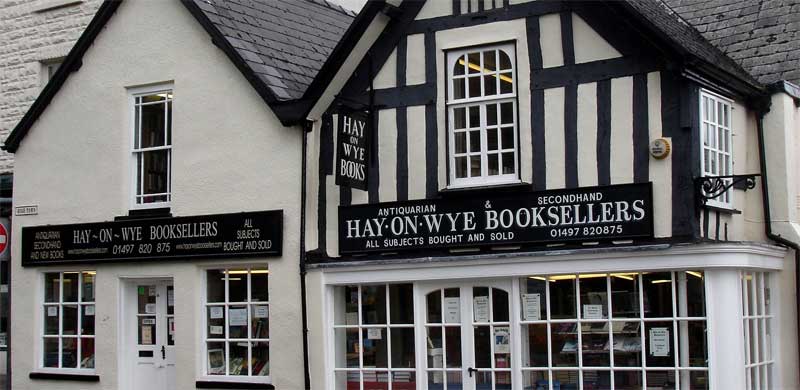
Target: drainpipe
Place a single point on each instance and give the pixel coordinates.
(768, 219)
(307, 126)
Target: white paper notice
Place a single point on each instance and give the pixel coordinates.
(171, 326)
(481, 307)
(261, 311)
(170, 297)
(374, 334)
(532, 304)
(659, 341)
(237, 317)
(88, 310)
(52, 311)
(592, 312)
(452, 310)
(150, 308)
(147, 334)
(151, 291)
(213, 329)
(501, 340)
(215, 312)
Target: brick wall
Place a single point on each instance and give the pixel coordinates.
(32, 33)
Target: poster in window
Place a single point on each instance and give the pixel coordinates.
(481, 305)
(215, 312)
(88, 310)
(593, 312)
(216, 361)
(261, 312)
(502, 340)
(659, 342)
(452, 310)
(238, 317)
(352, 149)
(531, 304)
(147, 334)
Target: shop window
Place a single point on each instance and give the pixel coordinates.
(374, 337)
(757, 323)
(632, 330)
(237, 323)
(68, 310)
(715, 128)
(482, 116)
(152, 148)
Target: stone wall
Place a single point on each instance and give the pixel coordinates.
(33, 33)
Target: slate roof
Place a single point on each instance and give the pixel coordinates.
(284, 43)
(761, 35)
(684, 36)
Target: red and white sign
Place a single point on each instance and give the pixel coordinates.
(3, 237)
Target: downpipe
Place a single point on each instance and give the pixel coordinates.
(307, 127)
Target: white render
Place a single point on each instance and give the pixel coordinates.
(230, 154)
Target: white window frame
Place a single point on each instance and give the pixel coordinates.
(482, 101)
(756, 294)
(49, 68)
(78, 333)
(133, 94)
(723, 154)
(204, 339)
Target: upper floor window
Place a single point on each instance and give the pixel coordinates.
(715, 126)
(482, 116)
(152, 148)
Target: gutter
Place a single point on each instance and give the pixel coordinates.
(768, 219)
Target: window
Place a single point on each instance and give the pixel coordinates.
(715, 126)
(374, 336)
(620, 328)
(49, 69)
(68, 312)
(757, 322)
(237, 323)
(482, 116)
(152, 148)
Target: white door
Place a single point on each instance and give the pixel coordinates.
(468, 335)
(152, 342)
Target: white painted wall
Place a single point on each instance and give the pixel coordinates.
(230, 154)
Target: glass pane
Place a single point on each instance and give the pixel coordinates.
(155, 175)
(375, 380)
(459, 88)
(87, 319)
(489, 85)
(458, 68)
(489, 61)
(237, 286)
(51, 315)
(508, 138)
(452, 336)
(508, 163)
(437, 379)
(347, 347)
(50, 357)
(483, 380)
(627, 380)
(346, 305)
(71, 286)
(87, 295)
(215, 286)
(259, 321)
(237, 322)
(461, 167)
(474, 116)
(260, 355)
(434, 305)
(373, 304)
(535, 380)
(594, 297)
(596, 379)
(169, 123)
(69, 325)
(170, 300)
(562, 300)
(461, 142)
(52, 292)
(216, 322)
(690, 294)
(136, 113)
(87, 353)
(500, 305)
(658, 341)
(505, 61)
(625, 295)
(534, 345)
(474, 86)
(491, 114)
(475, 141)
(152, 130)
(146, 299)
(435, 351)
(375, 347)
(661, 379)
(494, 163)
(146, 330)
(492, 141)
(237, 362)
(657, 294)
(565, 380)
(170, 330)
(404, 380)
(595, 345)
(216, 359)
(533, 290)
(627, 344)
(475, 166)
(474, 62)
(698, 380)
(507, 113)
(565, 344)
(692, 339)
(69, 352)
(401, 303)
(259, 285)
(483, 352)
(506, 83)
(402, 347)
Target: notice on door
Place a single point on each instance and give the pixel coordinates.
(452, 310)
(481, 307)
(659, 341)
(502, 340)
(532, 304)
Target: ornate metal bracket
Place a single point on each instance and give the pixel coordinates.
(710, 187)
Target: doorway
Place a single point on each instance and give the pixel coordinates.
(149, 334)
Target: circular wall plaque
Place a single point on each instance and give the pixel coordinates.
(659, 148)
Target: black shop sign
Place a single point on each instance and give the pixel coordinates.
(353, 149)
(592, 214)
(221, 235)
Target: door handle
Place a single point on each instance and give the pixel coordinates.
(470, 370)
(163, 353)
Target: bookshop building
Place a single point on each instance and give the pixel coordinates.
(550, 199)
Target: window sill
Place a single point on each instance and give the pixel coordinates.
(161, 212)
(65, 376)
(722, 209)
(207, 384)
(489, 188)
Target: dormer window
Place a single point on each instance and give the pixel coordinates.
(483, 141)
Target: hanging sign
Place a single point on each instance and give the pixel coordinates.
(222, 235)
(591, 214)
(352, 149)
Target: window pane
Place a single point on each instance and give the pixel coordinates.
(698, 380)
(169, 123)
(657, 294)
(690, 294)
(401, 303)
(565, 379)
(627, 380)
(596, 379)
(505, 61)
(535, 343)
(461, 167)
(259, 321)
(375, 347)
(87, 319)
(215, 321)
(625, 295)
(453, 339)
(494, 163)
(562, 300)
(489, 61)
(491, 114)
(474, 86)
(71, 286)
(508, 138)
(70, 322)
(627, 344)
(237, 286)
(692, 335)
(87, 295)
(661, 379)
(499, 305)
(460, 118)
(474, 141)
(260, 354)
(155, 175)
(50, 357)
(402, 347)
(237, 322)
(52, 289)
(533, 290)
(146, 330)
(347, 347)
(152, 130)
(475, 166)
(259, 285)
(87, 353)
(483, 352)
(237, 363)
(506, 83)
(594, 301)
(146, 299)
(536, 380)
(492, 140)
(507, 113)
(216, 359)
(402, 380)
(458, 68)
(658, 339)
(564, 339)
(595, 344)
(373, 304)
(459, 88)
(434, 307)
(375, 380)
(69, 352)
(435, 347)
(474, 60)
(489, 85)
(51, 319)
(474, 116)
(346, 305)
(461, 142)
